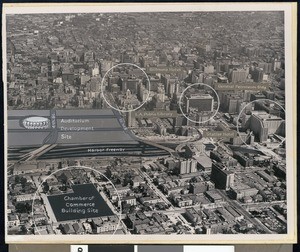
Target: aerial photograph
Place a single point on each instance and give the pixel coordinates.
(153, 123)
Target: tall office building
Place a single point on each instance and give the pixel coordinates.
(257, 74)
(187, 166)
(267, 67)
(276, 64)
(142, 93)
(232, 103)
(96, 71)
(130, 119)
(132, 85)
(106, 65)
(238, 75)
(161, 93)
(209, 69)
(222, 177)
(201, 102)
(262, 124)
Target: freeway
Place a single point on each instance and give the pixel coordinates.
(37, 152)
(171, 151)
(76, 133)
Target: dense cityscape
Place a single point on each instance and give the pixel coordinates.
(146, 123)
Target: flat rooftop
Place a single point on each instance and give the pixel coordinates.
(199, 96)
(265, 116)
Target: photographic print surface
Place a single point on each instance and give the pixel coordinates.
(167, 125)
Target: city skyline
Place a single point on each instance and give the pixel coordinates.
(175, 122)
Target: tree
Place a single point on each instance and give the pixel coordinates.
(23, 207)
(193, 180)
(23, 181)
(108, 172)
(63, 188)
(17, 179)
(59, 165)
(127, 179)
(23, 230)
(45, 187)
(179, 223)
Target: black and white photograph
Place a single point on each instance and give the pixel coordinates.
(149, 122)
